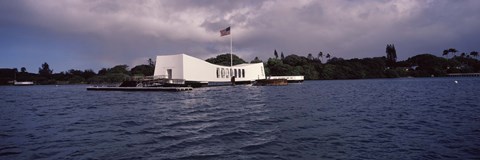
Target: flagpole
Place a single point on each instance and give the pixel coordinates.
(231, 50)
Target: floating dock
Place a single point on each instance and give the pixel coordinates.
(290, 79)
(271, 82)
(15, 83)
(173, 89)
(463, 75)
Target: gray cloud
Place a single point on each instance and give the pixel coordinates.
(94, 34)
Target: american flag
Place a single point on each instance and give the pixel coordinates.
(225, 32)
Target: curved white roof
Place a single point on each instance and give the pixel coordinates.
(188, 68)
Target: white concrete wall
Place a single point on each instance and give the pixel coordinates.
(253, 71)
(174, 62)
(194, 69)
(198, 70)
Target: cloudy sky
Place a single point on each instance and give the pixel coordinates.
(92, 34)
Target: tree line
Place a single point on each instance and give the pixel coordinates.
(45, 75)
(422, 65)
(311, 66)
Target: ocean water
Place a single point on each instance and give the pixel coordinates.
(416, 118)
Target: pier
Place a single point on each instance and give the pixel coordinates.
(463, 75)
(174, 89)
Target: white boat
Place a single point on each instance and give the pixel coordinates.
(26, 83)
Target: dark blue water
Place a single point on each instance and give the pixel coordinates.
(424, 118)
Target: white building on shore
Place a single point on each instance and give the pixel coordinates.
(184, 69)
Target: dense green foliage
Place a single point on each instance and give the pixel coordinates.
(115, 74)
(423, 65)
(224, 60)
(256, 60)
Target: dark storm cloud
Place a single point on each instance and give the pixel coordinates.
(96, 33)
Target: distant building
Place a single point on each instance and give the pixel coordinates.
(185, 69)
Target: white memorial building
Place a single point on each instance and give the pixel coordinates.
(184, 69)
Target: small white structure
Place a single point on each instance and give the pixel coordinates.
(182, 68)
(288, 78)
(26, 83)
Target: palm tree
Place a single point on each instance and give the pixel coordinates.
(453, 50)
(310, 56)
(320, 55)
(445, 53)
(391, 55)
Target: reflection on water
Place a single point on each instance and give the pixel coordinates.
(431, 118)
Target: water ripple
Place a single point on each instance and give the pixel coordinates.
(356, 119)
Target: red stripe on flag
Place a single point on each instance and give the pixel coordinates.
(225, 32)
